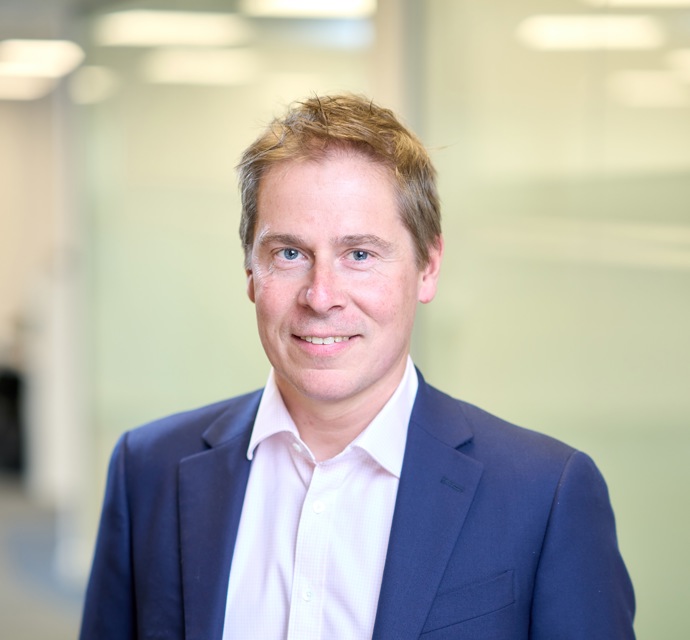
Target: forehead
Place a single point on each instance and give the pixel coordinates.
(334, 201)
(350, 160)
(341, 193)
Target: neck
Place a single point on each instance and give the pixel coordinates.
(327, 430)
(328, 426)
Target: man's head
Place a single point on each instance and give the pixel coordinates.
(316, 128)
(342, 241)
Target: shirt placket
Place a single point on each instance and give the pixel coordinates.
(311, 553)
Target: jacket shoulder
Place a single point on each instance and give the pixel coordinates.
(188, 432)
(487, 437)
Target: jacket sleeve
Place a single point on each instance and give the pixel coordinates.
(109, 609)
(582, 589)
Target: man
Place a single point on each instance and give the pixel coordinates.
(349, 499)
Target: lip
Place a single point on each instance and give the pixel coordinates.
(332, 339)
(322, 343)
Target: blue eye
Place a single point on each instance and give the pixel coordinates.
(359, 255)
(290, 254)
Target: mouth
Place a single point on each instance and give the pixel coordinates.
(325, 340)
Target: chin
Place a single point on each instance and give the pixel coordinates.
(325, 386)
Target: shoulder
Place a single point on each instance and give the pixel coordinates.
(501, 435)
(188, 432)
(522, 470)
(501, 446)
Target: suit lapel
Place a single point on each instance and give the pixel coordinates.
(208, 527)
(437, 486)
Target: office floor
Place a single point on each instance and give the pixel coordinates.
(32, 603)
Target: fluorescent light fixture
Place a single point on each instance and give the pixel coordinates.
(583, 32)
(648, 89)
(19, 88)
(141, 28)
(309, 8)
(652, 4)
(92, 84)
(39, 58)
(201, 66)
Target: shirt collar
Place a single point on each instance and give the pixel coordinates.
(383, 439)
(272, 417)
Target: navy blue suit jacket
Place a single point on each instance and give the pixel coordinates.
(498, 533)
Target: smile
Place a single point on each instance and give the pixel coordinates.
(328, 340)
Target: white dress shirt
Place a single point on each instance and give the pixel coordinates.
(313, 536)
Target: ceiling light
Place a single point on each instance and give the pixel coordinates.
(583, 32)
(648, 89)
(310, 8)
(140, 28)
(39, 58)
(200, 67)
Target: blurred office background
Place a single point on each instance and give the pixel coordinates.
(561, 131)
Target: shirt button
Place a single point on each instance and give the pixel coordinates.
(307, 595)
(296, 447)
(318, 506)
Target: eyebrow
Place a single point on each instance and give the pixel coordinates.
(352, 240)
(280, 238)
(365, 239)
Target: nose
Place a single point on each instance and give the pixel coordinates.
(323, 289)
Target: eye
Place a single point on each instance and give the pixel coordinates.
(359, 255)
(289, 254)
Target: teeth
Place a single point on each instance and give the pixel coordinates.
(328, 340)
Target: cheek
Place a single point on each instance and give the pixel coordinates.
(271, 299)
(390, 303)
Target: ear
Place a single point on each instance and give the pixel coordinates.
(428, 276)
(250, 284)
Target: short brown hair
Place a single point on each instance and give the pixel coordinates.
(316, 127)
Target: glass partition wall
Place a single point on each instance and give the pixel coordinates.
(562, 136)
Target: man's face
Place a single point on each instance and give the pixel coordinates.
(335, 282)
